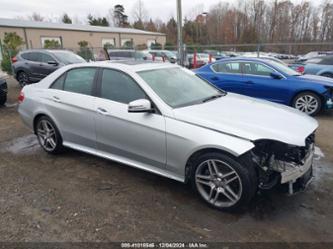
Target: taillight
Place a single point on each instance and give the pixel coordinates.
(14, 59)
(300, 69)
(21, 97)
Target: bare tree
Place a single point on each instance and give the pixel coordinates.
(36, 17)
(139, 11)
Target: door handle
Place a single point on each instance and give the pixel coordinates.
(249, 82)
(102, 111)
(214, 78)
(56, 99)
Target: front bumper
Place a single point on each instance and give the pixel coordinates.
(293, 171)
(329, 104)
(298, 176)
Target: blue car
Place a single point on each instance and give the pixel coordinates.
(270, 80)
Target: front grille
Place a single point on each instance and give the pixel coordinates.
(309, 141)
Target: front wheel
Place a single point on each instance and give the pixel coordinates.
(308, 102)
(222, 182)
(48, 135)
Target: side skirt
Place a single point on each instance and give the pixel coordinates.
(125, 161)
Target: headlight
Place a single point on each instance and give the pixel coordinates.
(268, 150)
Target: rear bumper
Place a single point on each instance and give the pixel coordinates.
(329, 104)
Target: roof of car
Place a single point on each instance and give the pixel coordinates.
(45, 50)
(244, 59)
(133, 65)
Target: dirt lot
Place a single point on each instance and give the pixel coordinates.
(78, 197)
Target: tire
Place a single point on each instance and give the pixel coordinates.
(329, 75)
(23, 78)
(223, 182)
(3, 99)
(308, 102)
(48, 135)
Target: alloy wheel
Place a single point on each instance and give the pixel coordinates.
(307, 103)
(46, 135)
(218, 183)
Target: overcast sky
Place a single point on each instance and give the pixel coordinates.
(79, 9)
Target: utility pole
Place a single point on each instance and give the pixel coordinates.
(180, 33)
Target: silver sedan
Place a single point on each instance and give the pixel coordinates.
(164, 119)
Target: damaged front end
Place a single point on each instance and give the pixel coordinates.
(280, 163)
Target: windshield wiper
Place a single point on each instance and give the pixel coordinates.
(212, 98)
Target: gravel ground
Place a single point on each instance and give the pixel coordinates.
(79, 197)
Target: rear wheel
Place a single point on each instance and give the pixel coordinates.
(222, 182)
(48, 135)
(23, 78)
(308, 102)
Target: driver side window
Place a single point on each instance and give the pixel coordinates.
(256, 69)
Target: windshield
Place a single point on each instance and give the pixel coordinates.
(68, 57)
(178, 88)
(284, 69)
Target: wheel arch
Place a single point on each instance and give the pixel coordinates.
(36, 118)
(191, 159)
(324, 71)
(41, 114)
(320, 95)
(20, 70)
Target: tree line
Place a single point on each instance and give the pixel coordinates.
(253, 21)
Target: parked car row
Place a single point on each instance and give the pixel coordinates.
(266, 77)
(147, 55)
(321, 65)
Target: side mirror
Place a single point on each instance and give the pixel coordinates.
(140, 105)
(276, 76)
(52, 63)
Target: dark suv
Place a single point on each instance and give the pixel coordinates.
(3, 91)
(33, 65)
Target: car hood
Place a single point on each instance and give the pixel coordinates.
(316, 79)
(250, 119)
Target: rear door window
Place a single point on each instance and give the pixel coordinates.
(59, 83)
(27, 56)
(80, 80)
(36, 56)
(45, 58)
(227, 67)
